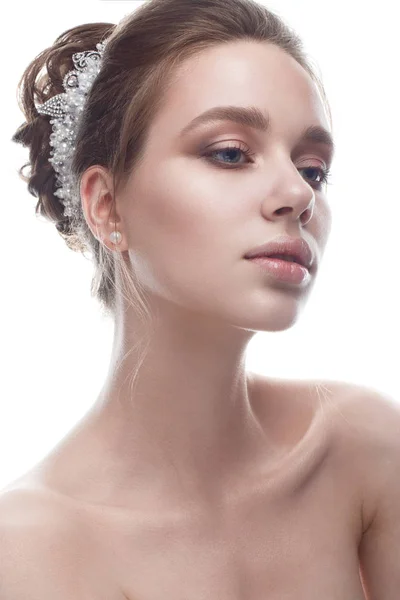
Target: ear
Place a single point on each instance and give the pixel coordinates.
(99, 206)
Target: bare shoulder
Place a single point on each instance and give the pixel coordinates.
(367, 417)
(364, 423)
(376, 421)
(33, 520)
(372, 415)
(25, 509)
(361, 410)
(35, 537)
(367, 439)
(44, 549)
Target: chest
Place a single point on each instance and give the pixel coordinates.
(272, 544)
(289, 531)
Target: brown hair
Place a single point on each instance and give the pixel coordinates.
(138, 66)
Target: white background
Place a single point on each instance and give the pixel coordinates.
(56, 346)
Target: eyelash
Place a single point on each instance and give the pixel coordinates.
(325, 172)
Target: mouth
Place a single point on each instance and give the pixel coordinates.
(287, 249)
(283, 269)
(286, 257)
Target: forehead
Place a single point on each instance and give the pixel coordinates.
(243, 73)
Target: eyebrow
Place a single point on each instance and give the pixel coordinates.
(251, 116)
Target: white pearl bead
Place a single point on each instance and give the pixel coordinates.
(115, 237)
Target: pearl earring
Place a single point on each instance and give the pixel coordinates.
(115, 237)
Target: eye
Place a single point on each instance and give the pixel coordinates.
(230, 151)
(324, 175)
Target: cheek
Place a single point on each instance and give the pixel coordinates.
(183, 233)
(321, 223)
(183, 209)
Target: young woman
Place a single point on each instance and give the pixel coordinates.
(204, 140)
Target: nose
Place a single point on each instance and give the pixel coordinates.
(305, 215)
(293, 196)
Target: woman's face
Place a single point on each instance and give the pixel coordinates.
(190, 221)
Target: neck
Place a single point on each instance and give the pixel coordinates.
(188, 420)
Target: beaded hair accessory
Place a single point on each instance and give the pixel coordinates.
(66, 110)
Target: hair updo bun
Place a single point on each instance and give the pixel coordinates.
(34, 133)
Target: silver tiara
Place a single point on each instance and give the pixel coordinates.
(66, 110)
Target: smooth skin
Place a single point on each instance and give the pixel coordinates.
(209, 481)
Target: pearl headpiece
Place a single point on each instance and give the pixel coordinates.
(66, 110)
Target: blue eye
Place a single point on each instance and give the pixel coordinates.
(323, 173)
(230, 150)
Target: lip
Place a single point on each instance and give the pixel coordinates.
(297, 247)
(288, 272)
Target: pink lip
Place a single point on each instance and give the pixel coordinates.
(282, 270)
(297, 247)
